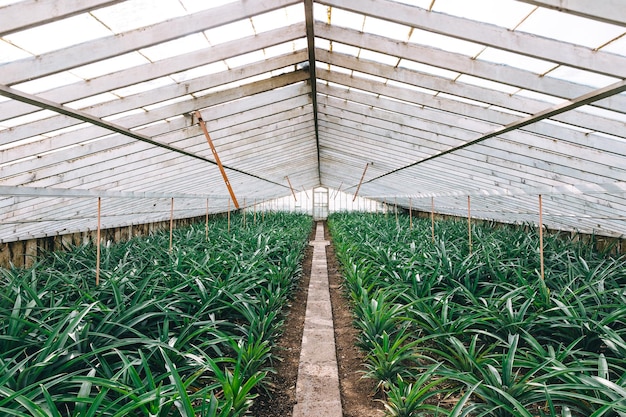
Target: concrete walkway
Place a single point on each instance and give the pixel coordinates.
(317, 389)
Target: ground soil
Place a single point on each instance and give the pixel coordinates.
(357, 393)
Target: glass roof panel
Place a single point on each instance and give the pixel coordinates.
(28, 118)
(201, 71)
(47, 83)
(244, 59)
(411, 87)
(369, 76)
(569, 28)
(142, 87)
(110, 65)
(285, 48)
(463, 99)
(539, 96)
(278, 18)
(386, 28)
(322, 44)
(481, 82)
(190, 43)
(428, 69)
(618, 46)
(10, 52)
(604, 113)
(90, 101)
(346, 19)
(230, 32)
(498, 56)
(197, 5)
(445, 43)
(134, 14)
(378, 57)
(59, 34)
(340, 70)
(424, 4)
(342, 48)
(581, 77)
(505, 13)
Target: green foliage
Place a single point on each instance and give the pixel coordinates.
(181, 333)
(483, 321)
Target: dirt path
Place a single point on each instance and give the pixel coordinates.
(356, 393)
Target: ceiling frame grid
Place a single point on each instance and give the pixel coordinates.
(313, 96)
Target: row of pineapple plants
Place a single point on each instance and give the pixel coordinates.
(188, 332)
(450, 329)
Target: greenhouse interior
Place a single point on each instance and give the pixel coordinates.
(177, 175)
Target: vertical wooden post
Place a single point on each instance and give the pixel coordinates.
(255, 211)
(395, 208)
(206, 222)
(98, 244)
(228, 215)
(541, 237)
(432, 217)
(469, 224)
(410, 214)
(171, 223)
(244, 212)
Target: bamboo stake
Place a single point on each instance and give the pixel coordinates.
(395, 208)
(98, 244)
(255, 211)
(432, 217)
(360, 182)
(293, 192)
(206, 222)
(410, 214)
(541, 238)
(469, 224)
(171, 223)
(228, 215)
(244, 212)
(216, 157)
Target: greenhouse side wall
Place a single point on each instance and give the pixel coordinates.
(23, 253)
(616, 245)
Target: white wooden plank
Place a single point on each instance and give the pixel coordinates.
(491, 35)
(457, 88)
(455, 62)
(92, 51)
(559, 132)
(609, 11)
(30, 13)
(146, 72)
